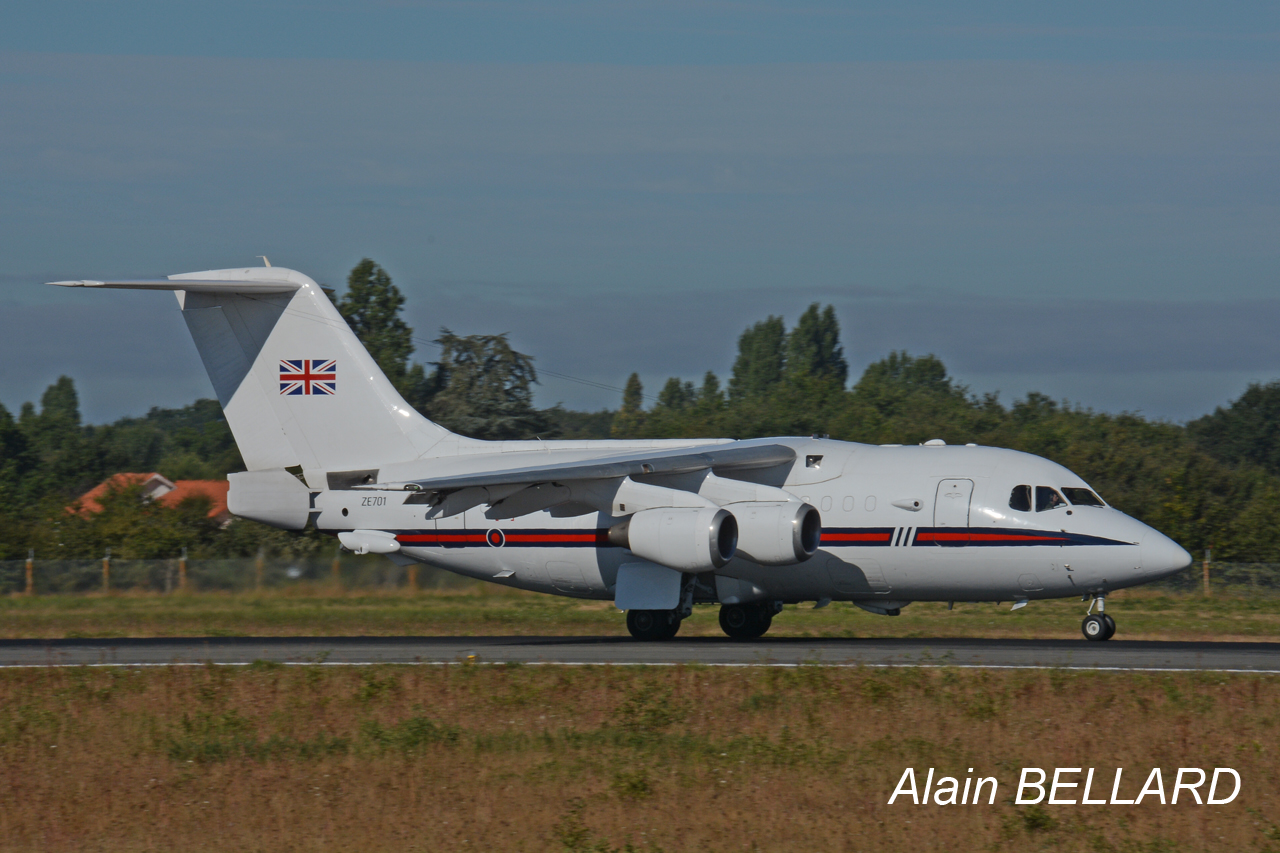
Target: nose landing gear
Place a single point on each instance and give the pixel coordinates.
(1098, 626)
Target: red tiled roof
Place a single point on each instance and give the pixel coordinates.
(90, 500)
(215, 490)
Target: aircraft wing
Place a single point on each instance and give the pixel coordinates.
(638, 463)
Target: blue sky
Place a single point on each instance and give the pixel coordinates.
(1082, 201)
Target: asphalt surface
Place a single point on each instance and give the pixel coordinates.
(1080, 654)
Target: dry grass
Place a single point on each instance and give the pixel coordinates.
(594, 758)
(484, 609)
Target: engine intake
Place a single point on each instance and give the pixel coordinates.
(777, 534)
(687, 539)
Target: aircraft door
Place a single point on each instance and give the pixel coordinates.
(951, 512)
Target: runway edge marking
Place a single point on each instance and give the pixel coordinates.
(1074, 667)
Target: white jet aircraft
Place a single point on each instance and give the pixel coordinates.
(655, 526)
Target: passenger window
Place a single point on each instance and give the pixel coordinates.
(1047, 498)
(1020, 498)
(1083, 497)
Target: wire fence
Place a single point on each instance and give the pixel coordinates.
(1225, 579)
(351, 572)
(346, 572)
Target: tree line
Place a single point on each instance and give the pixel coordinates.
(1211, 483)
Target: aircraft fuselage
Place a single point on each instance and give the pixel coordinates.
(899, 524)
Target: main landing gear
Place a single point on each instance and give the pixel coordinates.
(1098, 626)
(747, 621)
(739, 621)
(653, 624)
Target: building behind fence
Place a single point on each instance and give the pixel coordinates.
(351, 572)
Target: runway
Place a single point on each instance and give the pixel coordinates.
(711, 651)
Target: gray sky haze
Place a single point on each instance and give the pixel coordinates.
(1085, 205)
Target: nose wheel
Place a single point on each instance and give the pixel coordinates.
(1098, 626)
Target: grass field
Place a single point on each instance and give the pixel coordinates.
(477, 610)
(468, 757)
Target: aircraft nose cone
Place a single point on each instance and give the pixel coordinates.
(1162, 556)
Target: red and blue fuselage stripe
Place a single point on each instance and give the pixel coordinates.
(832, 537)
(971, 536)
(496, 538)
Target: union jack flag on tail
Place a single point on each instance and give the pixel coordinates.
(306, 376)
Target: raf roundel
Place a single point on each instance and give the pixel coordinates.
(496, 538)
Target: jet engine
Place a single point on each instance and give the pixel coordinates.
(683, 538)
(777, 534)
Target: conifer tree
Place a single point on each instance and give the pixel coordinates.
(371, 306)
(631, 416)
(485, 388)
(761, 355)
(676, 395)
(813, 347)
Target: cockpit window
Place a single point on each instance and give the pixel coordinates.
(1083, 497)
(1048, 498)
(1020, 498)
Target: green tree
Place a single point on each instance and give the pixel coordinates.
(486, 388)
(710, 397)
(63, 459)
(371, 306)
(630, 418)
(761, 356)
(1247, 431)
(14, 460)
(676, 395)
(813, 347)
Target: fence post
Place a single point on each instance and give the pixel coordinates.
(413, 577)
(31, 571)
(106, 572)
(1208, 555)
(182, 571)
(337, 569)
(258, 566)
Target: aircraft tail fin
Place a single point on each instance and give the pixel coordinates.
(296, 384)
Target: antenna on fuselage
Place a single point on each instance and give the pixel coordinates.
(265, 262)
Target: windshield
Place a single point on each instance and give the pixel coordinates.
(1048, 498)
(1083, 497)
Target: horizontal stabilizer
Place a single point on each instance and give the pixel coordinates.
(297, 386)
(191, 285)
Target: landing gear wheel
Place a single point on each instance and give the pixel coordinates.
(745, 621)
(670, 625)
(1111, 626)
(1097, 627)
(652, 624)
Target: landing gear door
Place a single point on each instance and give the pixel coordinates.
(951, 513)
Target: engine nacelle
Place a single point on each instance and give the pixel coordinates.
(684, 538)
(777, 534)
